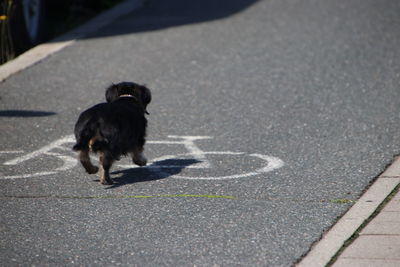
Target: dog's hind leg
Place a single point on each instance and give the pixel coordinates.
(106, 161)
(138, 157)
(86, 163)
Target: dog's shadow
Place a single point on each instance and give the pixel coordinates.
(155, 171)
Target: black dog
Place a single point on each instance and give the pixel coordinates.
(115, 128)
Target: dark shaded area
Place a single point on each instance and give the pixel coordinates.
(64, 15)
(159, 14)
(155, 171)
(51, 18)
(58, 17)
(25, 113)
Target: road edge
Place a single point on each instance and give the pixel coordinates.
(333, 240)
(42, 51)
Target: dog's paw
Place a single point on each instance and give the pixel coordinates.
(141, 161)
(106, 181)
(92, 170)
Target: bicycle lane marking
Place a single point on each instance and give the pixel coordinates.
(195, 152)
(188, 142)
(273, 163)
(11, 152)
(43, 150)
(68, 162)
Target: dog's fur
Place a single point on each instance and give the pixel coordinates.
(115, 128)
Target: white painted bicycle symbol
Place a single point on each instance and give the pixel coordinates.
(198, 159)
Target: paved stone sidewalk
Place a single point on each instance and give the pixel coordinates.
(378, 244)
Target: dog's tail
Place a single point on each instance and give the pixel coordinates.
(89, 137)
(84, 132)
(82, 140)
(78, 147)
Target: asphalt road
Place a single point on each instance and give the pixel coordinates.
(299, 101)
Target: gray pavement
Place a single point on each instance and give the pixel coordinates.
(299, 101)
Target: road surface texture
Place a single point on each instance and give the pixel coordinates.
(307, 92)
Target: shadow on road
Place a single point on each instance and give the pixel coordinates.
(155, 171)
(160, 14)
(25, 113)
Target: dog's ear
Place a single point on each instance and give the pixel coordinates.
(112, 93)
(145, 96)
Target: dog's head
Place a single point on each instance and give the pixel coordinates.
(140, 92)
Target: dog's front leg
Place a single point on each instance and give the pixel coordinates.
(105, 164)
(138, 157)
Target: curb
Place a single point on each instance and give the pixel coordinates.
(42, 51)
(332, 241)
